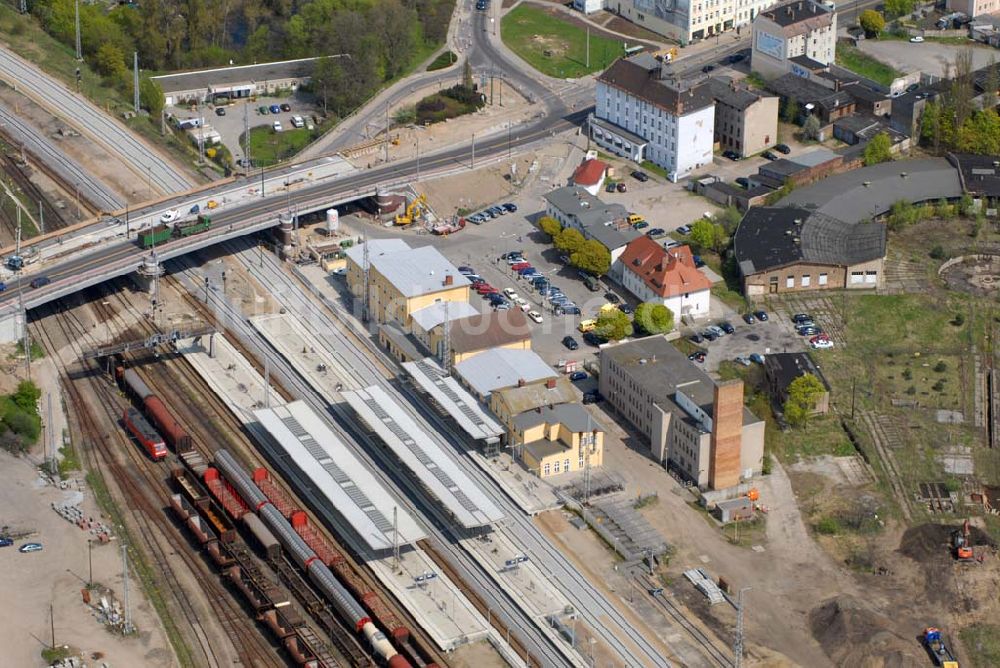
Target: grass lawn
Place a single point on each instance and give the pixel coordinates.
(863, 64)
(982, 642)
(446, 59)
(269, 147)
(553, 46)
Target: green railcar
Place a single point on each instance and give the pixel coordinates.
(197, 226)
(154, 236)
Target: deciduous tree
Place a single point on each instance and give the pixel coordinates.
(802, 395)
(653, 318)
(872, 22)
(592, 257)
(550, 226)
(879, 149)
(569, 240)
(613, 325)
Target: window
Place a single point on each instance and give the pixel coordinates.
(557, 466)
(545, 470)
(871, 277)
(857, 277)
(822, 279)
(790, 282)
(804, 281)
(566, 465)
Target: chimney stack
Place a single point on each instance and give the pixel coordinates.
(550, 383)
(448, 279)
(520, 382)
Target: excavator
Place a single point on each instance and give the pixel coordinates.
(961, 546)
(413, 210)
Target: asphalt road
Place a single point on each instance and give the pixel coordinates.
(92, 122)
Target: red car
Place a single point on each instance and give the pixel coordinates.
(486, 289)
(520, 265)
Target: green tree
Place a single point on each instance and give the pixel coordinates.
(872, 22)
(110, 61)
(708, 235)
(980, 133)
(592, 257)
(26, 396)
(811, 127)
(896, 8)
(879, 149)
(730, 219)
(802, 395)
(550, 226)
(569, 240)
(790, 110)
(613, 325)
(653, 318)
(151, 97)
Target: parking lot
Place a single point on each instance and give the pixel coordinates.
(231, 125)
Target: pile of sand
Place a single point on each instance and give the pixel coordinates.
(932, 542)
(853, 635)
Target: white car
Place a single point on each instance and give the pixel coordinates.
(341, 271)
(535, 315)
(298, 122)
(520, 301)
(822, 344)
(277, 126)
(917, 39)
(169, 216)
(510, 293)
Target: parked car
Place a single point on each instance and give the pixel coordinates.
(800, 318)
(504, 306)
(510, 292)
(809, 330)
(743, 182)
(749, 319)
(592, 397)
(684, 230)
(625, 308)
(641, 225)
(570, 309)
(736, 58)
(612, 297)
(6, 542)
(696, 338)
(466, 271)
(590, 338)
(286, 107)
(640, 176)
(519, 265)
(715, 329)
(570, 343)
(698, 262)
(697, 357)
(169, 216)
(510, 207)
(761, 315)
(727, 327)
(262, 110)
(621, 187)
(655, 233)
(578, 375)
(495, 299)
(220, 111)
(30, 547)
(710, 335)
(41, 282)
(610, 187)
(757, 357)
(819, 343)
(732, 155)
(742, 360)
(535, 315)
(769, 155)
(527, 271)
(475, 280)
(782, 148)
(274, 109)
(916, 39)
(277, 127)
(297, 122)
(707, 68)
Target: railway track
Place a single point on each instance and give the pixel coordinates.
(710, 650)
(145, 491)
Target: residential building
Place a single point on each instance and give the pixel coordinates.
(688, 20)
(800, 28)
(608, 224)
(780, 369)
(673, 119)
(745, 122)
(973, 8)
(496, 369)
(588, 6)
(695, 425)
(562, 438)
(402, 280)
(221, 84)
(430, 318)
(789, 249)
(861, 128)
(668, 277)
(827, 104)
(474, 334)
(590, 175)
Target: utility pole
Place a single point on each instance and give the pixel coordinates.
(90, 559)
(500, 89)
(41, 218)
(446, 343)
(135, 81)
(365, 268)
(50, 433)
(267, 381)
(246, 137)
(128, 611)
(201, 138)
(395, 538)
(473, 163)
(738, 644)
(79, 48)
(418, 157)
(508, 139)
(52, 625)
(588, 47)
(387, 131)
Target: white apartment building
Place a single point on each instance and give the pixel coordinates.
(668, 277)
(642, 115)
(800, 33)
(688, 20)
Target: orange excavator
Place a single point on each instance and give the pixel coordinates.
(961, 546)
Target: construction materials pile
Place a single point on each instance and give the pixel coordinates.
(852, 634)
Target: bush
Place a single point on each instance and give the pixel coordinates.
(941, 367)
(938, 253)
(828, 526)
(938, 386)
(911, 390)
(958, 320)
(907, 374)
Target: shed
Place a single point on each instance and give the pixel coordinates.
(734, 510)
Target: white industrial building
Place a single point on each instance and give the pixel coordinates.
(641, 114)
(798, 37)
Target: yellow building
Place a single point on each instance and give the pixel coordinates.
(478, 333)
(558, 439)
(523, 395)
(402, 280)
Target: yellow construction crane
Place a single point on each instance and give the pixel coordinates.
(413, 210)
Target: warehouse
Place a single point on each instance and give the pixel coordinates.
(238, 82)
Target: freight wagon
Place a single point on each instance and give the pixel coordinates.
(143, 432)
(172, 430)
(163, 233)
(303, 556)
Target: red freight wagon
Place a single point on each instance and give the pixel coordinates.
(143, 432)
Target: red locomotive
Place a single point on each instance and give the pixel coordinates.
(143, 432)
